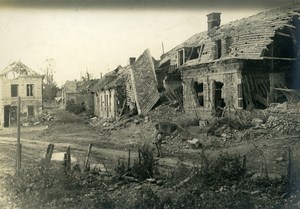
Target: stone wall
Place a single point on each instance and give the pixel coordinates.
(227, 73)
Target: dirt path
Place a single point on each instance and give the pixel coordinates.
(79, 151)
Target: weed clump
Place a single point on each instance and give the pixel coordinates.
(143, 166)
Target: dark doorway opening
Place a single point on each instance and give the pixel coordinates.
(6, 116)
(199, 93)
(219, 101)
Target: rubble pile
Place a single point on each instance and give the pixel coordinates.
(225, 126)
(47, 116)
(283, 108)
(164, 112)
(283, 125)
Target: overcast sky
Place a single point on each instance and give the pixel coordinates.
(98, 39)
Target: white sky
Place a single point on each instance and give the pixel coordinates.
(96, 40)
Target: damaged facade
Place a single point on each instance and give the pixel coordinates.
(110, 94)
(127, 90)
(240, 65)
(17, 80)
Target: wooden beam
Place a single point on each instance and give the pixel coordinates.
(282, 89)
(279, 58)
(283, 34)
(289, 26)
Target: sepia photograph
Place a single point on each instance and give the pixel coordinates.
(135, 104)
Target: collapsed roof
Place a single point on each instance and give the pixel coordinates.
(112, 79)
(246, 38)
(18, 69)
(144, 82)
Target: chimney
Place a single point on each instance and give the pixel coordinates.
(131, 60)
(213, 20)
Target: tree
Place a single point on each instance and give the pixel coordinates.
(50, 88)
(87, 76)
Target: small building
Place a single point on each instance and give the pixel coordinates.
(79, 93)
(110, 96)
(17, 80)
(239, 65)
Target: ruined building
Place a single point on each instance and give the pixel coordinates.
(245, 64)
(110, 94)
(17, 80)
(127, 90)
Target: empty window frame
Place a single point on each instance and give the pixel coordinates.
(196, 52)
(14, 90)
(218, 49)
(180, 57)
(29, 88)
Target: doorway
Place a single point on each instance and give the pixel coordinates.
(219, 101)
(6, 116)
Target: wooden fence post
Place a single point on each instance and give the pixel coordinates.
(49, 153)
(128, 165)
(86, 163)
(19, 145)
(19, 157)
(290, 169)
(67, 159)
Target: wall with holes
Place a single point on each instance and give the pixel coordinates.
(220, 82)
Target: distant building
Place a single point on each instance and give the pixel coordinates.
(17, 80)
(79, 92)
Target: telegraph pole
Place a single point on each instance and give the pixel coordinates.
(19, 145)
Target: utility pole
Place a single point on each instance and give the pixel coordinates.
(19, 145)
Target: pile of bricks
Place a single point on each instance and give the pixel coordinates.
(283, 125)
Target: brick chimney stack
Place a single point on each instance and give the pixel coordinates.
(213, 20)
(131, 60)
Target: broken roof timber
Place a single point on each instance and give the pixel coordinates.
(20, 69)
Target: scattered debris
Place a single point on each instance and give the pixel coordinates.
(194, 143)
